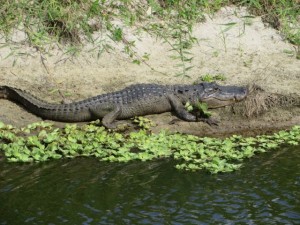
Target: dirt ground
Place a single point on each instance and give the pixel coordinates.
(249, 52)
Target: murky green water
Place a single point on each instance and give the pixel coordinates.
(86, 191)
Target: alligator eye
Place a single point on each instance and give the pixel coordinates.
(212, 90)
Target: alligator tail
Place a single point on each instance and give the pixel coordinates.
(3, 92)
(58, 112)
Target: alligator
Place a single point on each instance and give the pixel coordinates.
(135, 100)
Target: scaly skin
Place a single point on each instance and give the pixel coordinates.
(135, 100)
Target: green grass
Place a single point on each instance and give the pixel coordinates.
(282, 15)
(73, 22)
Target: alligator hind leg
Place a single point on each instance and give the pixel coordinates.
(179, 109)
(108, 120)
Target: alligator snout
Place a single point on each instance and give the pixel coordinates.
(242, 94)
(226, 95)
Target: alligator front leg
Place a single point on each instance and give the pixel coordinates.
(108, 113)
(183, 114)
(179, 109)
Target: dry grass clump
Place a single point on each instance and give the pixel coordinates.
(260, 101)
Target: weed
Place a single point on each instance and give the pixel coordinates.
(143, 122)
(199, 108)
(41, 141)
(282, 15)
(212, 78)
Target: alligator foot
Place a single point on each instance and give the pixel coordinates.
(209, 121)
(119, 125)
(122, 126)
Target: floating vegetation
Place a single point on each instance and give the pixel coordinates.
(42, 141)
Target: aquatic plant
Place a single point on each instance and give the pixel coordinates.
(42, 141)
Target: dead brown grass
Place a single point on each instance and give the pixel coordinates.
(260, 101)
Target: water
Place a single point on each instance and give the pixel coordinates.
(85, 191)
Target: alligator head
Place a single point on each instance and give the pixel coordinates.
(216, 96)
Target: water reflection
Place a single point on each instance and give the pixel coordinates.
(86, 191)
